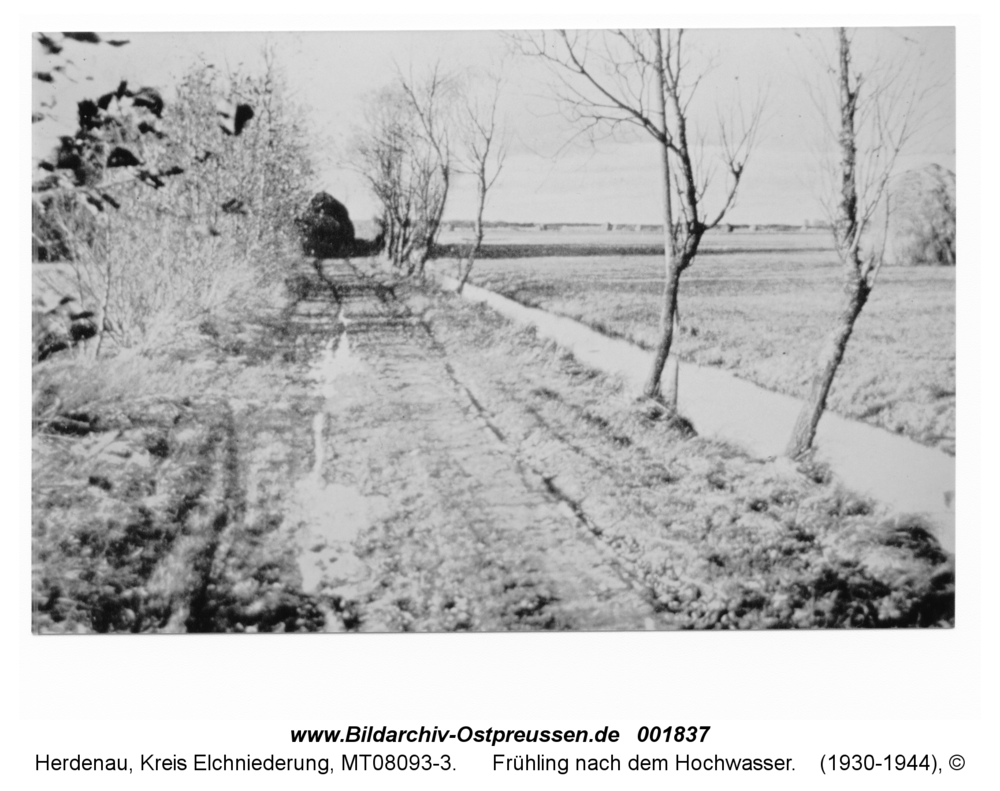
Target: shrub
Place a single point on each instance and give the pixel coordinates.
(194, 220)
(326, 227)
(924, 218)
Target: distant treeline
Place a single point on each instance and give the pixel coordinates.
(630, 227)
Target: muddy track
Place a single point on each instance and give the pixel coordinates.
(338, 475)
(449, 529)
(377, 456)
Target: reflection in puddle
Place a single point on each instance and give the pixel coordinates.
(330, 516)
(335, 361)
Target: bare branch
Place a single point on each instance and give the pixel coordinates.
(403, 152)
(613, 94)
(609, 79)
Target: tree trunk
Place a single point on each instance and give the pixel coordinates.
(668, 313)
(478, 240)
(102, 311)
(673, 372)
(668, 320)
(857, 287)
(856, 292)
(466, 271)
(434, 222)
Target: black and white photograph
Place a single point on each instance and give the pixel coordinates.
(562, 330)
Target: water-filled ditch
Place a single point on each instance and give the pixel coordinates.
(907, 476)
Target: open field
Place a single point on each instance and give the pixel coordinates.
(758, 304)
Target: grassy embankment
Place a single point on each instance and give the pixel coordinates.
(758, 305)
(139, 519)
(717, 539)
(155, 506)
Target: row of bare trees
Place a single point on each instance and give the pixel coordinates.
(419, 133)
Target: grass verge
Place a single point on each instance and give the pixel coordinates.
(763, 315)
(718, 539)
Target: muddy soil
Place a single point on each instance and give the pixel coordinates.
(383, 457)
(440, 527)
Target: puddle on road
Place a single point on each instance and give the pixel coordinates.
(907, 476)
(330, 516)
(336, 361)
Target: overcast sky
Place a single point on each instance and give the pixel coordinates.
(547, 178)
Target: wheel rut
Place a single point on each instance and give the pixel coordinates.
(422, 517)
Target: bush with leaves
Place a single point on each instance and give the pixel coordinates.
(199, 221)
(326, 228)
(108, 149)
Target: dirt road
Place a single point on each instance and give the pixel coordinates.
(419, 515)
(380, 456)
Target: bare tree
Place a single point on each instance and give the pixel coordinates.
(431, 101)
(613, 79)
(403, 150)
(383, 154)
(876, 115)
(482, 153)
